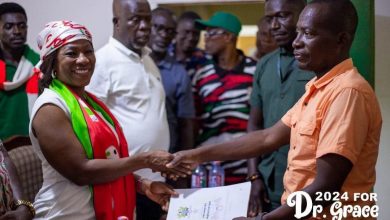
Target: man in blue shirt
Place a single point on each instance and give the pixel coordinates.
(177, 84)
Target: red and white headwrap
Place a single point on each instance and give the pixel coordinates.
(58, 33)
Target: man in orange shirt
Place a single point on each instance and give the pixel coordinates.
(333, 130)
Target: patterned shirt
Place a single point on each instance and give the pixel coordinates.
(6, 196)
(222, 103)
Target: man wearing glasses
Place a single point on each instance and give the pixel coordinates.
(177, 84)
(222, 87)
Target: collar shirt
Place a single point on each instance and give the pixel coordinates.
(130, 85)
(338, 114)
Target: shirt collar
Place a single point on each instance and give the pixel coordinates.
(123, 49)
(283, 51)
(167, 62)
(334, 72)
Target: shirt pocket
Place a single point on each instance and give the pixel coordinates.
(306, 141)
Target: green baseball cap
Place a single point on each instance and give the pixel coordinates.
(222, 20)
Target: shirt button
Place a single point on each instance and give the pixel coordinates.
(281, 96)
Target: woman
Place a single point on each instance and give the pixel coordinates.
(87, 171)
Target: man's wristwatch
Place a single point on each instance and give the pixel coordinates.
(26, 203)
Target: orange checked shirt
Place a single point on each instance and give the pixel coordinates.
(338, 114)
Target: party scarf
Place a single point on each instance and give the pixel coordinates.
(116, 198)
(18, 92)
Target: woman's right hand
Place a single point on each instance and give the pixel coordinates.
(258, 198)
(157, 161)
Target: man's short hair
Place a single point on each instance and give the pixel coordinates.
(189, 16)
(11, 7)
(163, 11)
(341, 15)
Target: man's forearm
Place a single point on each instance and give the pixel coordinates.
(247, 146)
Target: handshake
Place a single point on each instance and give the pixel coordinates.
(172, 166)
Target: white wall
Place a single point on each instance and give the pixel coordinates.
(382, 81)
(95, 14)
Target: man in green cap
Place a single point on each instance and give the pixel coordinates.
(222, 87)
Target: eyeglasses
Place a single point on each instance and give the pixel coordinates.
(162, 29)
(214, 32)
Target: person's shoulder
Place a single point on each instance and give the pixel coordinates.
(105, 51)
(270, 56)
(249, 65)
(266, 62)
(353, 79)
(48, 96)
(205, 65)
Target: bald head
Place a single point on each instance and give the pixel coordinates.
(132, 23)
(298, 5)
(124, 6)
(338, 15)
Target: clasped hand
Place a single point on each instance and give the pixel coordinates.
(170, 165)
(173, 166)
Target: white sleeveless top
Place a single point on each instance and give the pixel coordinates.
(59, 198)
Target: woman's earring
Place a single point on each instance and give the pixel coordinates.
(53, 74)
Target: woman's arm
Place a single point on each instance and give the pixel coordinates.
(64, 152)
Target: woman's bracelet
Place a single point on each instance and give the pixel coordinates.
(26, 203)
(253, 177)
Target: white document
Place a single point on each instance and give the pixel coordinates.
(218, 203)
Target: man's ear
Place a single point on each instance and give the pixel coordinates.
(344, 39)
(115, 20)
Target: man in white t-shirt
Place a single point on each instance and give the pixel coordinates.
(129, 83)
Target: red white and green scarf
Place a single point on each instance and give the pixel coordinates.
(18, 92)
(93, 125)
